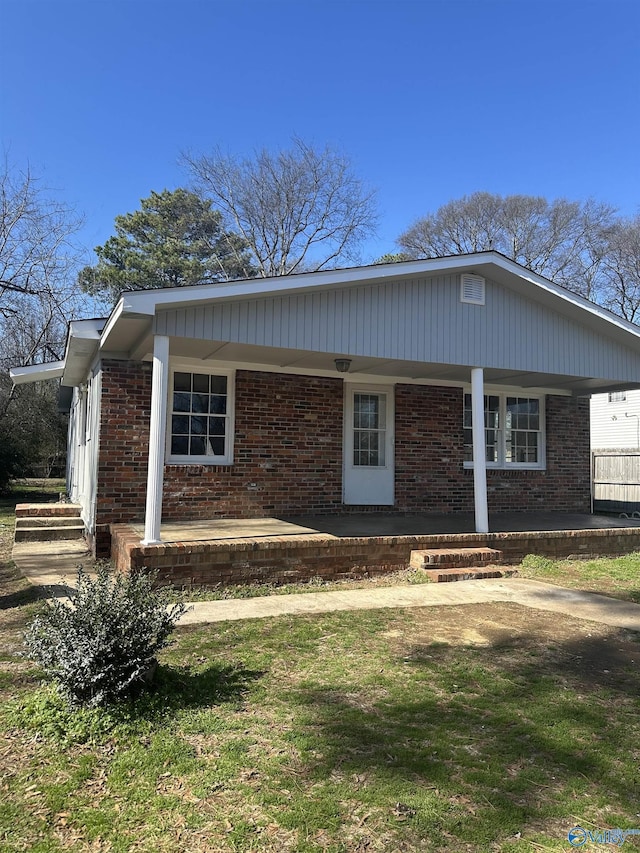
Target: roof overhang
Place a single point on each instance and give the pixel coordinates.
(127, 333)
(491, 264)
(36, 372)
(83, 340)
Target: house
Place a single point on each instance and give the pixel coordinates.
(432, 386)
(615, 447)
(615, 421)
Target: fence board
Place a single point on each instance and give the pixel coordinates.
(616, 481)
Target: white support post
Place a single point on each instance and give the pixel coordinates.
(479, 451)
(157, 432)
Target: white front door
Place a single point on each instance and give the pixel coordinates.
(368, 445)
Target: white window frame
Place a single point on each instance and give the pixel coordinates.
(617, 397)
(502, 464)
(211, 370)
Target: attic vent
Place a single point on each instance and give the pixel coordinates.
(472, 289)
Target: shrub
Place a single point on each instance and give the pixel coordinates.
(101, 644)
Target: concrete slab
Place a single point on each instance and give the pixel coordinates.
(541, 596)
(52, 564)
(396, 524)
(227, 528)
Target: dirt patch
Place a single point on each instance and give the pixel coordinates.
(588, 651)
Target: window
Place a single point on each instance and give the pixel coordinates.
(369, 429)
(617, 396)
(513, 431)
(200, 417)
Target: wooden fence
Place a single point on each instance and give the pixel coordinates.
(616, 480)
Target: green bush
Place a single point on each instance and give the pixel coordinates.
(100, 645)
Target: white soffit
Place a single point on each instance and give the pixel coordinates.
(36, 372)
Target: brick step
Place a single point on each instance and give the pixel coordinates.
(444, 575)
(47, 521)
(454, 558)
(52, 510)
(48, 534)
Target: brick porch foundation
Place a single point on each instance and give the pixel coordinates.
(289, 559)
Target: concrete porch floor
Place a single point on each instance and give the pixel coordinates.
(376, 525)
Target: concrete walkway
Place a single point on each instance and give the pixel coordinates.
(53, 565)
(542, 596)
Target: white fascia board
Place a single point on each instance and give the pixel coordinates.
(36, 372)
(83, 340)
(111, 321)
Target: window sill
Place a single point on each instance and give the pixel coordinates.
(468, 466)
(198, 460)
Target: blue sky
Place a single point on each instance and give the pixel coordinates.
(431, 100)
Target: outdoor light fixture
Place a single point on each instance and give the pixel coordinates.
(342, 364)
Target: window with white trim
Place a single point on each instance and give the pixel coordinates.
(200, 417)
(617, 396)
(514, 431)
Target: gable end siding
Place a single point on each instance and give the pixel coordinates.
(419, 320)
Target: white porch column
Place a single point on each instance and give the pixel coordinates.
(479, 450)
(157, 432)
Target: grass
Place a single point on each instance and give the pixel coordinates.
(237, 591)
(477, 728)
(615, 576)
(346, 732)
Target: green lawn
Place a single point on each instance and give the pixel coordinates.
(477, 728)
(615, 576)
(462, 728)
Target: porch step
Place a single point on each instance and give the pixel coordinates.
(47, 533)
(52, 510)
(454, 564)
(48, 522)
(444, 575)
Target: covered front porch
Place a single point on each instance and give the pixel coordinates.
(280, 550)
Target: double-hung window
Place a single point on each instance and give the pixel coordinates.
(513, 428)
(200, 423)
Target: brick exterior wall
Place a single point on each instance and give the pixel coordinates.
(430, 476)
(288, 453)
(124, 441)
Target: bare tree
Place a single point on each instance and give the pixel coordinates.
(37, 288)
(37, 298)
(297, 209)
(562, 240)
(620, 269)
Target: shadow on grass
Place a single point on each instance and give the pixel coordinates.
(46, 712)
(177, 688)
(32, 594)
(515, 728)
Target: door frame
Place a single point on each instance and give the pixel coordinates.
(350, 388)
